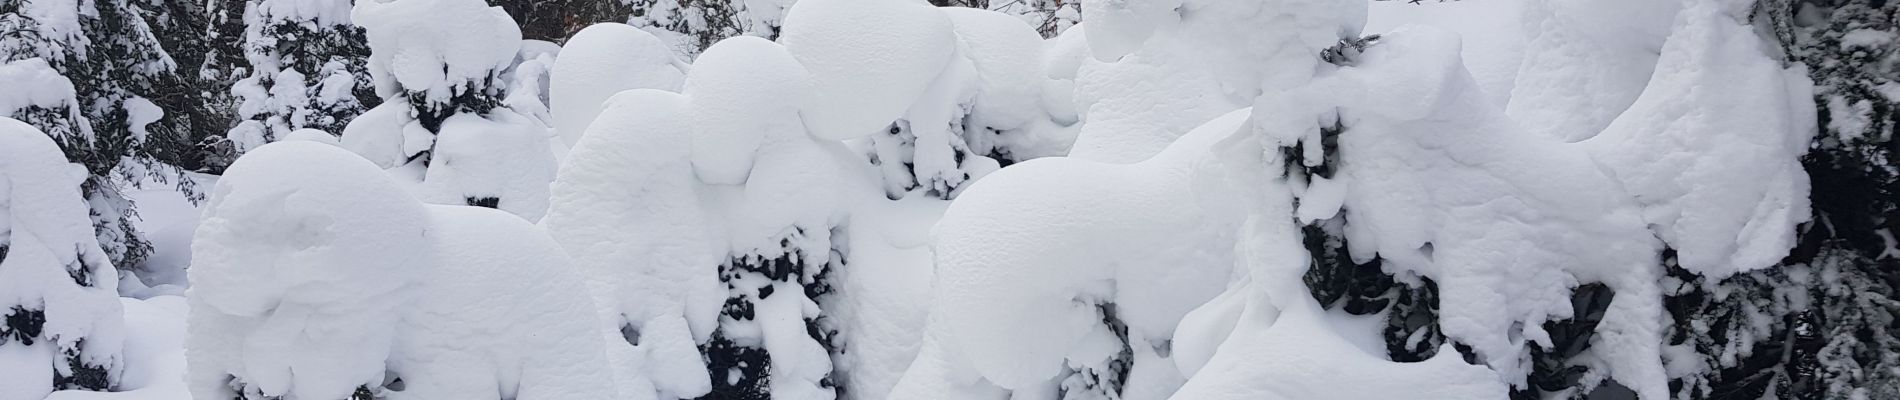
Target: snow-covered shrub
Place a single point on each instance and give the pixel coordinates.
(438, 65)
(60, 322)
(318, 276)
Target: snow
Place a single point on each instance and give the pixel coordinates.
(869, 60)
(154, 353)
(50, 246)
(886, 292)
(1024, 255)
(1203, 60)
(632, 170)
(742, 92)
(1585, 62)
(1508, 151)
(388, 135)
(456, 301)
(1296, 357)
(32, 82)
(436, 48)
(323, 12)
(600, 61)
(1123, 26)
(301, 237)
(503, 156)
(1493, 31)
(1456, 192)
(1712, 147)
(140, 112)
(502, 314)
(1008, 57)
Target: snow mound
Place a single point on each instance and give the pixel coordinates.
(301, 237)
(742, 91)
(1712, 148)
(600, 61)
(869, 60)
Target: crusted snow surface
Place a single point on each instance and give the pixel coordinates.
(632, 170)
(600, 61)
(1024, 256)
(1585, 62)
(50, 247)
(301, 237)
(1204, 59)
(869, 60)
(437, 48)
(741, 91)
(1712, 148)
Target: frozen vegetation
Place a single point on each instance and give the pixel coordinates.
(949, 199)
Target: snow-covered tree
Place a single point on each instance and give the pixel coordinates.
(1821, 325)
(693, 25)
(439, 64)
(305, 69)
(60, 322)
(116, 66)
(1049, 17)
